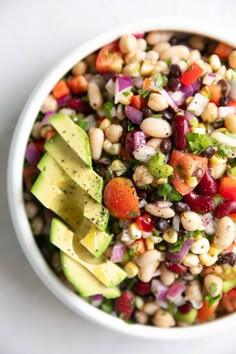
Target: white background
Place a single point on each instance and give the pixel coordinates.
(33, 36)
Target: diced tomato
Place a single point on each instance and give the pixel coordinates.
(228, 188)
(39, 144)
(215, 93)
(231, 103)
(191, 74)
(206, 311)
(138, 102)
(185, 164)
(50, 134)
(60, 90)
(233, 216)
(138, 247)
(228, 300)
(223, 50)
(78, 84)
(145, 222)
(121, 199)
(109, 58)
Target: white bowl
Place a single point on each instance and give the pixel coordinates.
(15, 192)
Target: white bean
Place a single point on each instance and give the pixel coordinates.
(170, 235)
(210, 113)
(200, 246)
(167, 277)
(230, 122)
(232, 59)
(142, 176)
(96, 139)
(157, 128)
(195, 270)
(157, 36)
(95, 96)
(163, 319)
(164, 213)
(224, 139)
(225, 233)
(191, 260)
(155, 142)
(145, 274)
(148, 257)
(180, 51)
(150, 308)
(80, 68)
(31, 209)
(141, 317)
(37, 225)
(157, 102)
(128, 43)
(50, 104)
(191, 221)
(207, 259)
(193, 291)
(161, 46)
(113, 133)
(213, 284)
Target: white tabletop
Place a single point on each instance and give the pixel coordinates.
(34, 35)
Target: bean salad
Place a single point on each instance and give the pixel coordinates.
(159, 112)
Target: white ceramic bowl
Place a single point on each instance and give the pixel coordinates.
(15, 192)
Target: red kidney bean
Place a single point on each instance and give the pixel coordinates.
(225, 208)
(199, 203)
(142, 288)
(185, 308)
(177, 268)
(207, 185)
(78, 105)
(124, 304)
(180, 128)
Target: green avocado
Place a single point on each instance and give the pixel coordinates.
(75, 168)
(104, 270)
(92, 210)
(53, 198)
(73, 135)
(83, 281)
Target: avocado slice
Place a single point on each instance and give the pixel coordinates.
(92, 210)
(83, 281)
(96, 241)
(104, 270)
(73, 135)
(75, 168)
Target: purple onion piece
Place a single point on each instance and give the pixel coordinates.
(62, 102)
(138, 82)
(175, 290)
(32, 154)
(118, 252)
(45, 120)
(177, 257)
(123, 83)
(159, 290)
(133, 114)
(139, 139)
(190, 90)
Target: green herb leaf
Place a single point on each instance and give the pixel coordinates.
(199, 142)
(82, 124)
(161, 81)
(130, 126)
(157, 115)
(126, 93)
(168, 192)
(107, 109)
(224, 150)
(178, 245)
(213, 287)
(211, 300)
(144, 93)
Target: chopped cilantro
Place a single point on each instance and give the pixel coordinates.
(149, 47)
(224, 150)
(213, 287)
(107, 306)
(199, 142)
(144, 93)
(211, 300)
(161, 81)
(126, 93)
(133, 213)
(157, 115)
(178, 245)
(168, 192)
(107, 109)
(130, 126)
(82, 124)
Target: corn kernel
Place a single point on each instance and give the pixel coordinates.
(207, 259)
(192, 181)
(126, 99)
(191, 260)
(216, 160)
(170, 236)
(146, 68)
(131, 269)
(214, 251)
(139, 302)
(134, 231)
(149, 243)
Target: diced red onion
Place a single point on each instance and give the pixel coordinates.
(209, 223)
(177, 257)
(63, 101)
(104, 161)
(118, 252)
(179, 300)
(110, 87)
(175, 290)
(169, 99)
(159, 290)
(208, 79)
(198, 104)
(138, 35)
(96, 300)
(133, 114)
(123, 83)
(138, 82)
(48, 215)
(32, 154)
(139, 139)
(176, 222)
(45, 120)
(190, 90)
(189, 116)
(144, 152)
(224, 111)
(178, 97)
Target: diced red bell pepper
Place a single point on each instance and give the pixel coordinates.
(191, 74)
(138, 102)
(228, 188)
(145, 222)
(223, 50)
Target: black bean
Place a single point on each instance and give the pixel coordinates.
(167, 115)
(208, 152)
(224, 87)
(174, 84)
(173, 41)
(223, 101)
(166, 146)
(162, 224)
(218, 124)
(180, 207)
(175, 71)
(147, 112)
(228, 258)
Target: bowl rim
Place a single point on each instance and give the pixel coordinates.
(15, 190)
